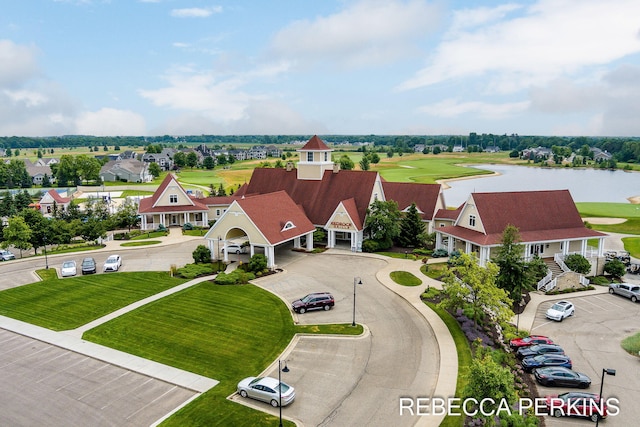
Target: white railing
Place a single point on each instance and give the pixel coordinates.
(558, 258)
(551, 285)
(543, 282)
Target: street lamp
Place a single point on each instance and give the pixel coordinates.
(601, 403)
(281, 369)
(356, 280)
(46, 261)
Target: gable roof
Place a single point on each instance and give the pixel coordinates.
(148, 204)
(56, 197)
(318, 198)
(539, 216)
(425, 196)
(276, 215)
(315, 144)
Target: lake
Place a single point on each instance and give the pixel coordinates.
(585, 185)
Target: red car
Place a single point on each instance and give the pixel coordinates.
(576, 404)
(530, 340)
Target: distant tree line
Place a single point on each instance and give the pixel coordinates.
(623, 149)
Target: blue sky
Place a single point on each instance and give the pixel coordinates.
(155, 67)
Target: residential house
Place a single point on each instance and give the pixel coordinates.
(127, 170)
(52, 201)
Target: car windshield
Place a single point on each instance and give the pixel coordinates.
(283, 387)
(112, 260)
(558, 307)
(87, 261)
(307, 298)
(67, 264)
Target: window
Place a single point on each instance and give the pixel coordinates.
(173, 198)
(309, 156)
(472, 220)
(326, 157)
(217, 212)
(288, 226)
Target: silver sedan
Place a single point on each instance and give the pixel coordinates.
(266, 389)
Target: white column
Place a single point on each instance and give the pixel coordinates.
(331, 239)
(251, 250)
(601, 246)
(269, 250)
(296, 242)
(225, 253)
(450, 245)
(211, 246)
(143, 222)
(583, 247)
(565, 247)
(438, 240)
(185, 218)
(309, 241)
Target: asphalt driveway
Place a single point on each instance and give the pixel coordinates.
(354, 381)
(592, 339)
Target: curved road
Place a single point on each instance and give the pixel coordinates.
(339, 381)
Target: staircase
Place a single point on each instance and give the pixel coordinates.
(553, 267)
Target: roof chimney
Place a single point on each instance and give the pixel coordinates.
(336, 167)
(289, 166)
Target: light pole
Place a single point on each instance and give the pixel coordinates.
(356, 280)
(601, 402)
(46, 261)
(280, 370)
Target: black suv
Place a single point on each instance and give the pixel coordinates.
(313, 301)
(88, 266)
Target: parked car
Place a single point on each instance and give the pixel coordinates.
(532, 362)
(234, 248)
(535, 350)
(626, 290)
(560, 311)
(6, 255)
(88, 266)
(530, 340)
(575, 404)
(315, 301)
(68, 269)
(559, 376)
(112, 263)
(266, 389)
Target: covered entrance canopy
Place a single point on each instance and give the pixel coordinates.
(267, 220)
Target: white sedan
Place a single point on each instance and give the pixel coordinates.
(266, 389)
(560, 310)
(112, 263)
(68, 269)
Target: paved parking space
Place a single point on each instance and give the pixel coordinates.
(592, 339)
(45, 385)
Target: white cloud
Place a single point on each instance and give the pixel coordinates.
(364, 33)
(548, 40)
(109, 121)
(452, 108)
(196, 12)
(18, 63)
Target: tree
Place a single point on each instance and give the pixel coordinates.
(615, 268)
(192, 159)
(39, 226)
(470, 285)
(578, 263)
(92, 229)
(364, 163)
(202, 255)
(22, 200)
(346, 163)
(513, 276)
(180, 159)
(209, 163)
(374, 158)
(383, 222)
(127, 214)
(258, 262)
(412, 229)
(7, 205)
(221, 192)
(17, 234)
(154, 169)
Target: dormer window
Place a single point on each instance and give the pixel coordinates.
(173, 199)
(309, 156)
(472, 220)
(288, 226)
(326, 156)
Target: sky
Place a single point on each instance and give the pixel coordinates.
(268, 67)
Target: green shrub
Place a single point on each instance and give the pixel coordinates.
(577, 263)
(202, 254)
(236, 277)
(258, 263)
(191, 271)
(369, 245)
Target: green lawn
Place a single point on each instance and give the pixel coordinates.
(62, 304)
(609, 210)
(405, 278)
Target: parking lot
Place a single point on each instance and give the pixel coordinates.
(592, 339)
(45, 385)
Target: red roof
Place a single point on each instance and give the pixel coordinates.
(58, 198)
(425, 196)
(273, 212)
(318, 198)
(148, 204)
(538, 215)
(315, 144)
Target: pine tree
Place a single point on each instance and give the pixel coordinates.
(412, 232)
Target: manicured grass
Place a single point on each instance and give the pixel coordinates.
(141, 243)
(196, 232)
(398, 255)
(632, 245)
(464, 359)
(630, 226)
(62, 304)
(334, 329)
(631, 344)
(405, 278)
(608, 210)
(151, 235)
(434, 271)
(222, 332)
